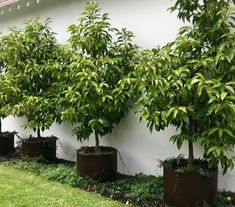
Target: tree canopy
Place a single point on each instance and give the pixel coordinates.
(189, 83)
(101, 57)
(31, 61)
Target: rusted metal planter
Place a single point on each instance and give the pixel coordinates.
(7, 143)
(102, 167)
(40, 147)
(189, 189)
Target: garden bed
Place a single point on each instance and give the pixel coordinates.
(139, 190)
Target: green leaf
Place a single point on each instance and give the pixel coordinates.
(221, 132)
(223, 95)
(175, 113)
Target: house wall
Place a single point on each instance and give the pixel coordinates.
(152, 25)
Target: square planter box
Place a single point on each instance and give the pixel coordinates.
(40, 147)
(7, 143)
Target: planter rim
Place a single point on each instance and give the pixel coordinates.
(39, 139)
(7, 133)
(190, 172)
(110, 151)
(193, 172)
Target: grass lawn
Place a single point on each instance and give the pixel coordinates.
(23, 189)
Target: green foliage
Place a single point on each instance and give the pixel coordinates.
(31, 59)
(140, 190)
(101, 56)
(7, 90)
(63, 173)
(189, 83)
(226, 199)
(7, 96)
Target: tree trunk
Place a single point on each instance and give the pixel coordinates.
(97, 143)
(190, 157)
(190, 145)
(38, 132)
(0, 125)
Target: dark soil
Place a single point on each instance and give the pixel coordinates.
(6, 134)
(89, 151)
(39, 140)
(179, 165)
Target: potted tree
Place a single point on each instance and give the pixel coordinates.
(31, 62)
(7, 99)
(189, 83)
(93, 99)
(6, 138)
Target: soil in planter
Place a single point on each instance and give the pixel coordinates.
(187, 189)
(101, 166)
(40, 147)
(7, 143)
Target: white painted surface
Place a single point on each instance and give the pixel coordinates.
(152, 26)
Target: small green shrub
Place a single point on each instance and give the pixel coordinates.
(226, 199)
(61, 173)
(33, 165)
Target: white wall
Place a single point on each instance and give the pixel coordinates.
(152, 26)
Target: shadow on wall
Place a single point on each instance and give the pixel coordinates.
(15, 124)
(67, 144)
(138, 147)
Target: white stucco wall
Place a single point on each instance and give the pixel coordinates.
(152, 25)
